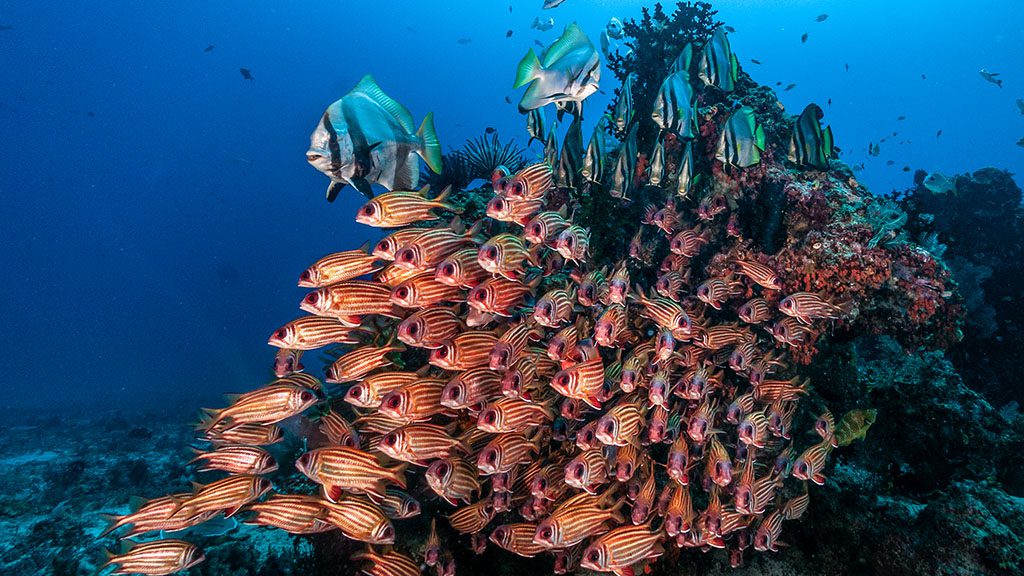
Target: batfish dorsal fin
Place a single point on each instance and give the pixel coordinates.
(572, 38)
(368, 86)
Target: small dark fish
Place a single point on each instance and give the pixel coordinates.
(509, 8)
(790, 87)
(539, 43)
(829, 101)
(246, 73)
(1020, 105)
(923, 77)
(882, 140)
(894, 132)
(906, 168)
(508, 34)
(90, 114)
(900, 118)
(464, 41)
(490, 130)
(208, 48)
(890, 162)
(821, 18)
(1020, 142)
(803, 39)
(847, 67)
(755, 61)
(508, 100)
(548, 4)
(779, 83)
(939, 133)
(730, 29)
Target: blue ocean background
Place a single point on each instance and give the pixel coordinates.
(158, 208)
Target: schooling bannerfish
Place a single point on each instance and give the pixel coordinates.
(549, 4)
(367, 136)
(567, 71)
(614, 28)
(742, 139)
(718, 65)
(810, 145)
(542, 24)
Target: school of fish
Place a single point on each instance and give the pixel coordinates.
(492, 374)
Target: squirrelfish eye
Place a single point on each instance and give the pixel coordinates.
(490, 416)
(280, 334)
(593, 556)
(306, 396)
(391, 439)
(402, 292)
(394, 402)
(492, 455)
(305, 276)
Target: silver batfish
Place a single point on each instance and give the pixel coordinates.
(367, 136)
(567, 71)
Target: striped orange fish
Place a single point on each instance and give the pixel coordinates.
(701, 423)
(688, 243)
(472, 387)
(228, 495)
(155, 558)
(338, 430)
(760, 274)
(785, 390)
(545, 225)
(619, 549)
(752, 494)
(377, 423)
(419, 442)
(511, 345)
(574, 522)
(611, 328)
(153, 516)
(393, 275)
(518, 539)
(669, 285)
(424, 290)
(621, 424)
(530, 183)
(249, 434)
(472, 518)
(592, 287)
(498, 295)
(350, 299)
(267, 405)
(716, 291)
(432, 547)
(392, 243)
(643, 505)
(518, 212)
(795, 507)
(360, 520)
(790, 331)
(503, 453)
(400, 505)
(718, 463)
(471, 349)
(461, 269)
(312, 332)
(666, 313)
(293, 513)
(339, 468)
(767, 535)
(811, 464)
(679, 514)
(358, 363)
(427, 250)
(555, 307)
(287, 362)
(584, 381)
(573, 244)
(588, 470)
(236, 460)
(414, 402)
(429, 327)
(753, 429)
(754, 311)
(808, 306)
(400, 208)
(721, 336)
(505, 254)
(339, 267)
(453, 479)
(512, 414)
(390, 563)
(370, 392)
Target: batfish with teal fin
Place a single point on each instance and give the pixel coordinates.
(717, 65)
(367, 137)
(742, 139)
(810, 145)
(567, 71)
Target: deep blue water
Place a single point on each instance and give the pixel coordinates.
(157, 207)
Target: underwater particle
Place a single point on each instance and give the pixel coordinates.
(464, 41)
(542, 25)
(549, 4)
(246, 73)
(803, 39)
(991, 77)
(508, 34)
(208, 48)
(821, 18)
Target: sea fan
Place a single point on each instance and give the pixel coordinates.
(484, 154)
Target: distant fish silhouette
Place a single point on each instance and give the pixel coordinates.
(508, 100)
(208, 48)
(890, 162)
(464, 41)
(508, 34)
(490, 130)
(847, 66)
(755, 61)
(991, 77)
(246, 73)
(509, 8)
(548, 4)
(821, 18)
(730, 29)
(803, 39)
(539, 43)
(1020, 105)
(901, 118)
(923, 77)
(788, 88)
(939, 133)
